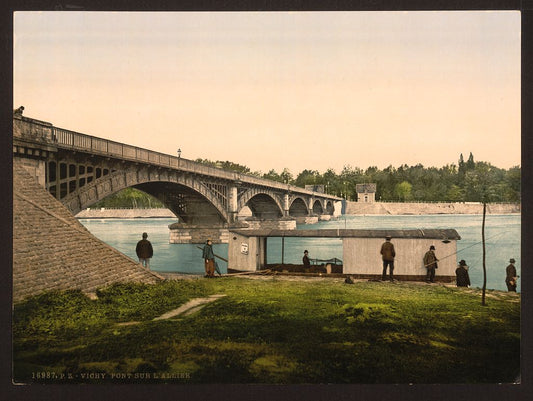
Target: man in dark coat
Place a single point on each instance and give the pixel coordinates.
(209, 259)
(511, 277)
(144, 251)
(387, 254)
(430, 263)
(461, 273)
(305, 260)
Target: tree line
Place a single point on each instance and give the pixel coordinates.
(466, 181)
(451, 183)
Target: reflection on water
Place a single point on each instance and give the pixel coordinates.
(502, 233)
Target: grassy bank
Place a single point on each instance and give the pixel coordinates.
(270, 330)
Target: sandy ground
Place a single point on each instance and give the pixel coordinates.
(495, 294)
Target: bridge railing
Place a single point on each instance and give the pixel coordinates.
(59, 137)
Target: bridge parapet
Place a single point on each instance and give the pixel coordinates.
(80, 170)
(36, 130)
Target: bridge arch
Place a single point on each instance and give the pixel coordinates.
(317, 207)
(330, 208)
(188, 198)
(264, 204)
(298, 208)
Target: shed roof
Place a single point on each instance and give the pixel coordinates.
(430, 233)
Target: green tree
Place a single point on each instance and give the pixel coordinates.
(455, 194)
(461, 169)
(307, 177)
(470, 164)
(403, 191)
(272, 175)
(513, 179)
(286, 176)
(129, 198)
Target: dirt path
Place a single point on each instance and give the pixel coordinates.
(190, 307)
(194, 305)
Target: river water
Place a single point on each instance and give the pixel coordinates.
(502, 238)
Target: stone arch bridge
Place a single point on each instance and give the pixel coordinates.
(79, 170)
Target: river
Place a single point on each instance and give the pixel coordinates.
(502, 234)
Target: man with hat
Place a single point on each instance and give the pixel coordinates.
(511, 278)
(461, 273)
(387, 254)
(430, 263)
(306, 261)
(144, 251)
(209, 259)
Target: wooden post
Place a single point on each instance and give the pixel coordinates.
(484, 266)
(282, 249)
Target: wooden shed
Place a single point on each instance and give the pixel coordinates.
(360, 250)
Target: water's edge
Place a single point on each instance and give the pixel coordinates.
(352, 209)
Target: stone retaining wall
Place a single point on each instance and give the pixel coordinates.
(103, 213)
(414, 208)
(410, 208)
(52, 250)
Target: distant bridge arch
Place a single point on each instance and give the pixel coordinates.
(263, 203)
(298, 207)
(317, 207)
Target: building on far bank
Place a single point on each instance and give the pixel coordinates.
(366, 192)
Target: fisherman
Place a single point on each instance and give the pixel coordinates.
(209, 259)
(306, 262)
(144, 251)
(387, 254)
(430, 263)
(461, 273)
(511, 278)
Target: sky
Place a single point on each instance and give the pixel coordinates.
(275, 90)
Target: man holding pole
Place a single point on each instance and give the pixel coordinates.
(209, 259)
(430, 263)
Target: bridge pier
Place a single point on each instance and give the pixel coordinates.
(311, 219)
(283, 223)
(190, 234)
(181, 233)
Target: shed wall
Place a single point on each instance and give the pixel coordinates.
(239, 260)
(362, 256)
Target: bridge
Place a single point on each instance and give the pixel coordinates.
(80, 170)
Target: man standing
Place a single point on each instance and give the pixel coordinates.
(430, 263)
(511, 278)
(306, 261)
(461, 273)
(144, 251)
(209, 259)
(388, 254)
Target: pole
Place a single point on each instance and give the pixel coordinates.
(484, 266)
(220, 257)
(282, 250)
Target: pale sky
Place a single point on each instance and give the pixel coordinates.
(302, 90)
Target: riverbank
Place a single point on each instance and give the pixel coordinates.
(106, 213)
(352, 208)
(273, 330)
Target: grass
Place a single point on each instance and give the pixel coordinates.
(270, 331)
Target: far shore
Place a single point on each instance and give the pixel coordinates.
(352, 209)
